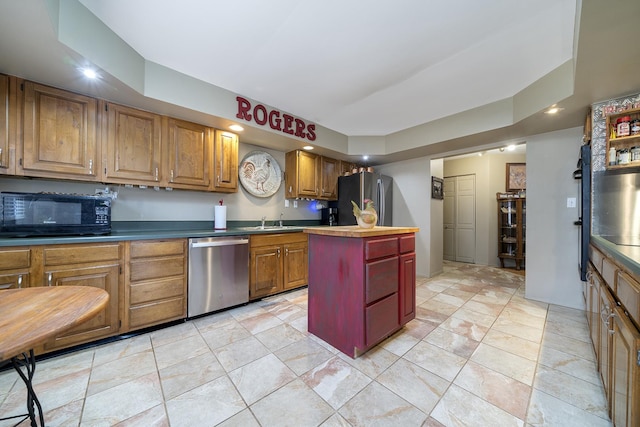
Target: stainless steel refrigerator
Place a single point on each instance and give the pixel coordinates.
(361, 186)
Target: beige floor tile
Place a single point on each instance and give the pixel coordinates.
(182, 377)
(399, 343)
(279, 336)
(518, 329)
(459, 407)
(224, 333)
(376, 405)
(426, 314)
(419, 329)
(336, 420)
(239, 353)
(260, 322)
(336, 381)
(303, 355)
(452, 342)
(122, 402)
(436, 360)
(546, 410)
(569, 345)
(207, 405)
(64, 365)
(469, 329)
(569, 364)
(569, 328)
(416, 385)
(121, 349)
(453, 300)
(180, 350)
(511, 365)
(174, 333)
(485, 320)
(484, 307)
(121, 371)
(154, 417)
(243, 418)
(512, 344)
(514, 313)
(261, 377)
(373, 362)
(303, 407)
(506, 393)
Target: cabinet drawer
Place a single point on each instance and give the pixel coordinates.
(609, 273)
(73, 254)
(276, 239)
(628, 293)
(157, 290)
(381, 319)
(14, 281)
(596, 258)
(18, 258)
(378, 248)
(407, 243)
(381, 279)
(156, 312)
(157, 248)
(152, 268)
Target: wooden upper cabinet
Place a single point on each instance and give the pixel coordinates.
(133, 146)
(329, 172)
(302, 177)
(7, 125)
(59, 134)
(226, 162)
(190, 155)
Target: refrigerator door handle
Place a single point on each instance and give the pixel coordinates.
(381, 201)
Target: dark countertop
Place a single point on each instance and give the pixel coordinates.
(145, 230)
(628, 256)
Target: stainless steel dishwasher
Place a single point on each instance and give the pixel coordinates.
(218, 273)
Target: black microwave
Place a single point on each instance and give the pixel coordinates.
(53, 214)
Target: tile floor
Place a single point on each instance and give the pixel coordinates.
(477, 354)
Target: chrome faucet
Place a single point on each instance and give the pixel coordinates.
(263, 219)
(281, 225)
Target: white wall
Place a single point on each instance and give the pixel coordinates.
(411, 203)
(552, 239)
(135, 204)
(436, 230)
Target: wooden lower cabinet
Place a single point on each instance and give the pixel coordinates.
(15, 268)
(98, 265)
(156, 282)
(278, 262)
(612, 318)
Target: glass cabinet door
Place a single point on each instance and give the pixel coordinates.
(508, 239)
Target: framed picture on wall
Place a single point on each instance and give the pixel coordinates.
(437, 191)
(516, 177)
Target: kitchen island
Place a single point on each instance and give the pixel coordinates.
(361, 284)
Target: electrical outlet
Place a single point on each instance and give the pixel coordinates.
(286, 203)
(571, 202)
(295, 204)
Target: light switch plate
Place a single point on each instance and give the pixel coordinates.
(286, 203)
(295, 204)
(571, 202)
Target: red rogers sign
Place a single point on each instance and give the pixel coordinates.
(275, 119)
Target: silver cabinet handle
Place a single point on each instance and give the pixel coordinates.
(171, 179)
(50, 279)
(90, 166)
(156, 176)
(0, 156)
(286, 252)
(19, 281)
(278, 252)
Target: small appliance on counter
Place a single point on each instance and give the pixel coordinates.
(329, 216)
(53, 214)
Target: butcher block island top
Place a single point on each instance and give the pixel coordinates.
(356, 231)
(361, 284)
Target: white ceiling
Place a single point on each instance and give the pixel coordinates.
(409, 78)
(352, 66)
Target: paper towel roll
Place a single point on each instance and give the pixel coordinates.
(220, 218)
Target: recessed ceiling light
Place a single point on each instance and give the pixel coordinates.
(554, 109)
(236, 128)
(365, 157)
(308, 147)
(511, 147)
(90, 73)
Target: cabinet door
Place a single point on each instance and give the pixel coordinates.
(625, 371)
(59, 135)
(7, 116)
(14, 280)
(593, 309)
(226, 162)
(190, 148)
(302, 174)
(329, 172)
(407, 292)
(296, 269)
(265, 277)
(607, 305)
(15, 266)
(106, 322)
(134, 146)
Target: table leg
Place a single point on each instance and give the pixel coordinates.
(28, 362)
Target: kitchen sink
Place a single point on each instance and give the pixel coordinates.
(269, 227)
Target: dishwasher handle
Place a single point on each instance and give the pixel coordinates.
(218, 242)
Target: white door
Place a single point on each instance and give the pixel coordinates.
(459, 218)
(449, 209)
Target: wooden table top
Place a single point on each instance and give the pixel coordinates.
(358, 232)
(31, 316)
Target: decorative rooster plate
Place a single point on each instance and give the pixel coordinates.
(260, 174)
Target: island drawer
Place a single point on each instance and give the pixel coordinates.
(381, 319)
(628, 292)
(381, 279)
(380, 247)
(407, 243)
